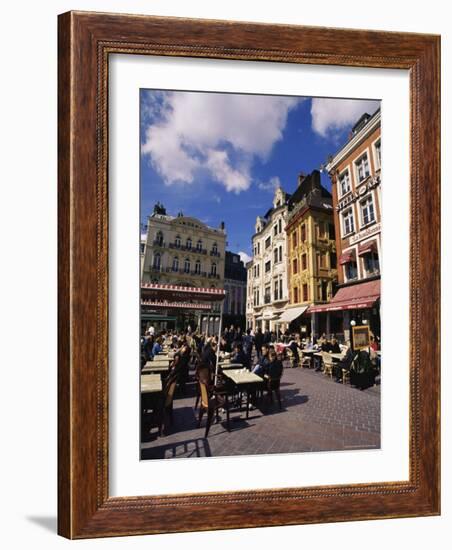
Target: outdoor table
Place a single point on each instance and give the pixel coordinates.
(337, 356)
(227, 366)
(161, 369)
(245, 381)
(157, 362)
(151, 383)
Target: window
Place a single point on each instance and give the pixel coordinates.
(333, 260)
(258, 248)
(371, 263)
(177, 241)
(142, 247)
(305, 293)
(280, 288)
(159, 238)
(275, 255)
(199, 245)
(331, 232)
(187, 265)
(362, 168)
(188, 243)
(276, 290)
(279, 225)
(348, 222)
(367, 210)
(268, 242)
(294, 239)
(303, 233)
(157, 258)
(324, 291)
(351, 271)
(295, 295)
(215, 248)
(175, 263)
(275, 229)
(268, 266)
(197, 267)
(304, 261)
(344, 183)
(377, 148)
(295, 266)
(322, 260)
(213, 268)
(280, 253)
(267, 295)
(256, 297)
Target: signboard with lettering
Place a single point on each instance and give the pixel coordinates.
(350, 198)
(361, 337)
(365, 233)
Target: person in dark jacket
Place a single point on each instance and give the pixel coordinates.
(240, 357)
(262, 363)
(258, 341)
(274, 367)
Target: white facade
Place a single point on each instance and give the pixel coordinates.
(267, 292)
(183, 251)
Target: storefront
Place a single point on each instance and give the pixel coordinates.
(356, 303)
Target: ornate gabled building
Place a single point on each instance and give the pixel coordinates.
(267, 275)
(311, 251)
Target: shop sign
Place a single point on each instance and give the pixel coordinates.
(361, 191)
(365, 233)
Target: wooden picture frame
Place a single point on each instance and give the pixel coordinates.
(86, 40)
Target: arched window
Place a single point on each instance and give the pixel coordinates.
(197, 267)
(187, 265)
(157, 258)
(280, 253)
(188, 243)
(159, 238)
(175, 263)
(199, 245)
(177, 241)
(213, 269)
(275, 254)
(215, 248)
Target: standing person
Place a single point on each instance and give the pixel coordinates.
(248, 344)
(258, 342)
(151, 330)
(267, 337)
(147, 347)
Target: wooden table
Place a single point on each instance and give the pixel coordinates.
(151, 383)
(245, 381)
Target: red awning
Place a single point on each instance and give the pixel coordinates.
(347, 257)
(360, 296)
(174, 293)
(173, 305)
(365, 248)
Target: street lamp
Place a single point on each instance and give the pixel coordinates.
(352, 324)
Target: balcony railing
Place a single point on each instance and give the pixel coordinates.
(213, 276)
(159, 243)
(184, 248)
(215, 253)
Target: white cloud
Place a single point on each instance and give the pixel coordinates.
(244, 257)
(270, 185)
(330, 116)
(221, 133)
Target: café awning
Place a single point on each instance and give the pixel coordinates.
(164, 304)
(365, 248)
(347, 257)
(291, 314)
(359, 296)
(176, 293)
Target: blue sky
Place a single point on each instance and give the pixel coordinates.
(218, 157)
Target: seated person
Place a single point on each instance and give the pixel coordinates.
(263, 361)
(157, 347)
(335, 348)
(344, 363)
(239, 356)
(274, 367)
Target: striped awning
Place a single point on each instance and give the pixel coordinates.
(347, 257)
(176, 293)
(365, 248)
(173, 305)
(359, 296)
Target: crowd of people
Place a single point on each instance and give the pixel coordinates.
(256, 351)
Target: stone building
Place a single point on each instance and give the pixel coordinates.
(267, 276)
(235, 287)
(355, 172)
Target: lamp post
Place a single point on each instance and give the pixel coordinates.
(352, 324)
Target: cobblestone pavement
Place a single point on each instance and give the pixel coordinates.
(318, 414)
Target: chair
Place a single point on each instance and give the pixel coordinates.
(167, 404)
(210, 403)
(273, 385)
(328, 364)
